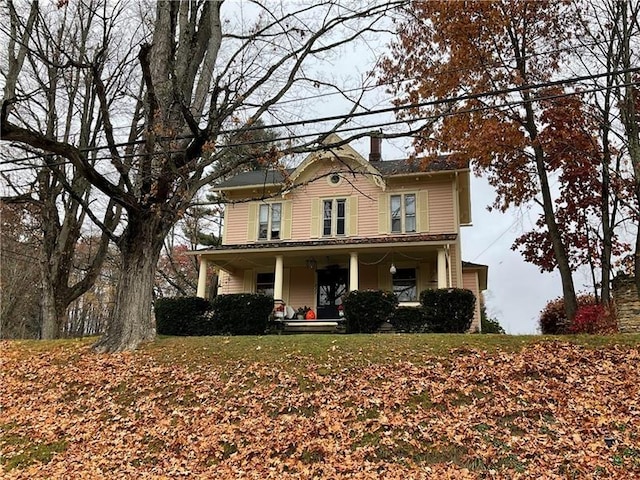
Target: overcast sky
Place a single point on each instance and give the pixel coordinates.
(517, 291)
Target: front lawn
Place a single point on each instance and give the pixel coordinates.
(323, 406)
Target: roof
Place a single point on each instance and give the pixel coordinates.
(483, 272)
(388, 168)
(286, 244)
(255, 177)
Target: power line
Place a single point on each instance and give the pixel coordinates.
(339, 130)
(394, 109)
(496, 65)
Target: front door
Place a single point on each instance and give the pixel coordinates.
(332, 285)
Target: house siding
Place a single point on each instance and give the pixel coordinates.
(363, 215)
(470, 282)
(236, 217)
(351, 186)
(368, 277)
(304, 280)
(231, 283)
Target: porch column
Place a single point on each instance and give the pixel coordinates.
(202, 278)
(353, 272)
(278, 279)
(442, 268)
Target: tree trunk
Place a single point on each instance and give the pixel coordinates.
(49, 329)
(132, 321)
(559, 250)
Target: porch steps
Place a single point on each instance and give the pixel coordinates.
(313, 326)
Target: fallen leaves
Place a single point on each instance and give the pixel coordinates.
(544, 411)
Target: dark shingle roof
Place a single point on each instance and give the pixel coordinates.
(255, 177)
(387, 168)
(400, 167)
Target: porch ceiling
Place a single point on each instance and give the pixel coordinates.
(232, 258)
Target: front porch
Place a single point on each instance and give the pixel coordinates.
(317, 274)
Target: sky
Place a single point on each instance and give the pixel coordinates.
(517, 291)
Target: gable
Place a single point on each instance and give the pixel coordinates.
(342, 158)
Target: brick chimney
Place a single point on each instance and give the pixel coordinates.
(374, 152)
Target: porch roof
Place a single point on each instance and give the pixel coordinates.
(233, 257)
(329, 242)
(483, 272)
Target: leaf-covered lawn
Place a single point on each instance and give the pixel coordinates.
(379, 406)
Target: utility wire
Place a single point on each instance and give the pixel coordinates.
(340, 130)
(495, 65)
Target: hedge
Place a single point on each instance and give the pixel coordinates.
(241, 314)
(182, 316)
(366, 310)
(409, 320)
(448, 310)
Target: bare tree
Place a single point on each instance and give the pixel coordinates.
(202, 75)
(68, 109)
(19, 302)
(613, 31)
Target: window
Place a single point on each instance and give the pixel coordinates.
(333, 217)
(404, 285)
(403, 213)
(264, 284)
(270, 219)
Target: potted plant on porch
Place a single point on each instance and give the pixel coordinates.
(302, 312)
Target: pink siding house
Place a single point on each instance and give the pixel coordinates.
(340, 222)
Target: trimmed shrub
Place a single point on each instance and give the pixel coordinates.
(182, 316)
(409, 320)
(553, 320)
(448, 310)
(241, 314)
(366, 310)
(593, 319)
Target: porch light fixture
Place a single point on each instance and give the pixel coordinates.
(311, 263)
(393, 269)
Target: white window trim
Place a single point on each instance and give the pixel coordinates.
(334, 217)
(403, 213)
(269, 221)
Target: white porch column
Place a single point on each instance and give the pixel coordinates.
(278, 279)
(442, 268)
(353, 272)
(202, 278)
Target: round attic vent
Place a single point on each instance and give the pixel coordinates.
(334, 179)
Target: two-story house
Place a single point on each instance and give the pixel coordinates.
(339, 222)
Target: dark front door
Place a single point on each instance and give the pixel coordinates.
(332, 285)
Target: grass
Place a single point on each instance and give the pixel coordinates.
(409, 401)
(360, 349)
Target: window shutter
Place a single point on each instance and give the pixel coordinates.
(384, 276)
(248, 283)
(252, 222)
(423, 211)
(286, 219)
(315, 218)
(353, 216)
(383, 213)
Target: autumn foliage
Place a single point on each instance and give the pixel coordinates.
(256, 408)
(591, 317)
(594, 319)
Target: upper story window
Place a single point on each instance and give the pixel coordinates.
(405, 285)
(270, 221)
(403, 213)
(333, 217)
